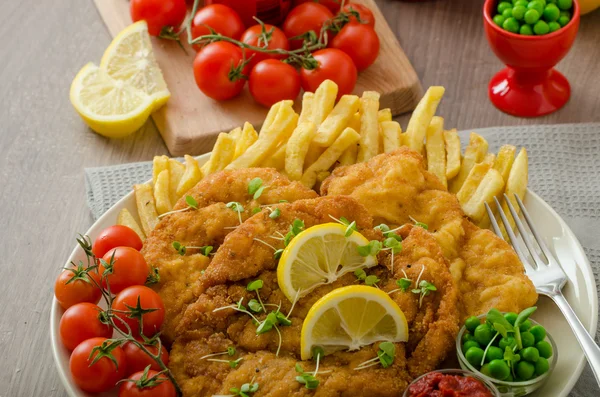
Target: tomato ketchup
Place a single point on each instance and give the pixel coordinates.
(268, 11)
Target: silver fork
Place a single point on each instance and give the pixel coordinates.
(546, 273)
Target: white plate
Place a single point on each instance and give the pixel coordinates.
(580, 291)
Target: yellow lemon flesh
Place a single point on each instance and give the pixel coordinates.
(110, 107)
(351, 317)
(130, 58)
(320, 255)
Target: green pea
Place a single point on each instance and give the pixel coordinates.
(530, 354)
(527, 339)
(471, 323)
(526, 30)
(511, 317)
(551, 13)
(538, 331)
(499, 369)
(525, 325)
(521, 3)
(485, 369)
(511, 24)
(507, 13)
(474, 356)
(524, 370)
(483, 333)
(544, 348)
(470, 344)
(509, 379)
(494, 353)
(467, 337)
(540, 27)
(519, 12)
(498, 20)
(541, 366)
(565, 4)
(552, 1)
(554, 26)
(565, 14)
(531, 17)
(508, 341)
(503, 6)
(536, 5)
(563, 20)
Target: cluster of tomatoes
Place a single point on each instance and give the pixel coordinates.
(98, 361)
(314, 43)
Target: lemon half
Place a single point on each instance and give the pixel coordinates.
(320, 255)
(351, 317)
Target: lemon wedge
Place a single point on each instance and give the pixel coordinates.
(320, 255)
(130, 58)
(110, 107)
(351, 317)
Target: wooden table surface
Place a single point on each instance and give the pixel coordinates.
(44, 146)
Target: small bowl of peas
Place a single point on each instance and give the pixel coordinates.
(510, 350)
(533, 17)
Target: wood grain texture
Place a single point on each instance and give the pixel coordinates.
(44, 146)
(190, 121)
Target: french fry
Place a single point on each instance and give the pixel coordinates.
(337, 120)
(272, 114)
(504, 160)
(421, 118)
(191, 176)
(491, 185)
(144, 201)
(247, 137)
(349, 155)
(474, 153)
(384, 115)
(323, 101)
(314, 152)
(354, 122)
(159, 164)
(161, 193)
(453, 156)
(347, 138)
(476, 175)
(436, 149)
(489, 158)
(280, 130)
(369, 128)
(516, 184)
(235, 133)
(307, 112)
(126, 219)
(391, 132)
(277, 159)
(297, 147)
(176, 171)
(221, 156)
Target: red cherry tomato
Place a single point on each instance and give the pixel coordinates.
(103, 374)
(276, 39)
(158, 14)
(138, 360)
(332, 5)
(82, 288)
(220, 18)
(129, 268)
(116, 236)
(148, 299)
(334, 65)
(163, 387)
(216, 69)
(360, 42)
(304, 18)
(81, 322)
(272, 81)
(365, 14)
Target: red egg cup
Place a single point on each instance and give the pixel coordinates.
(529, 86)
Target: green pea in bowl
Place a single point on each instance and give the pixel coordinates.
(508, 388)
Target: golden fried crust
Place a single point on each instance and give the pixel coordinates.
(207, 225)
(395, 187)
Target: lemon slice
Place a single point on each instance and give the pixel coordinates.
(320, 255)
(130, 58)
(110, 107)
(351, 317)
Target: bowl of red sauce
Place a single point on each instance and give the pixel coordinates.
(450, 383)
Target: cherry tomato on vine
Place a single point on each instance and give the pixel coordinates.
(151, 310)
(147, 384)
(219, 70)
(272, 81)
(104, 373)
(116, 236)
(76, 285)
(254, 36)
(360, 42)
(334, 65)
(81, 322)
(128, 268)
(158, 14)
(220, 18)
(332, 5)
(138, 360)
(304, 18)
(364, 13)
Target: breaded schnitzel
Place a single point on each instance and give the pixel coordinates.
(243, 257)
(207, 226)
(396, 187)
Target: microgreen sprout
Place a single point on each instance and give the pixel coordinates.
(425, 287)
(371, 280)
(182, 249)
(256, 188)
(245, 390)
(237, 207)
(306, 378)
(350, 226)
(385, 356)
(403, 283)
(256, 210)
(419, 224)
(232, 363)
(255, 286)
(275, 213)
(189, 200)
(372, 248)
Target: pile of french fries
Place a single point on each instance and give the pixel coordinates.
(308, 146)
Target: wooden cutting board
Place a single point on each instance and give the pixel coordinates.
(190, 122)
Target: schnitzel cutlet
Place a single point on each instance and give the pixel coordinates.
(207, 226)
(397, 189)
(269, 361)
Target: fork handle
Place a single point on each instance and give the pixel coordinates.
(589, 346)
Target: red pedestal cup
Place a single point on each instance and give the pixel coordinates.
(529, 86)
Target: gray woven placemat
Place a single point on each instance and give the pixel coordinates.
(564, 164)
